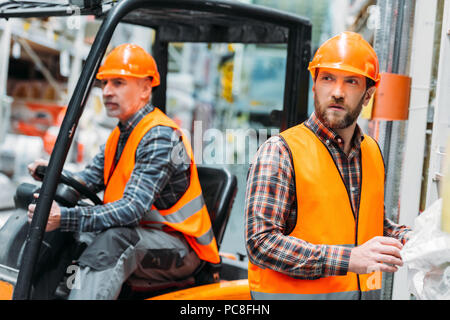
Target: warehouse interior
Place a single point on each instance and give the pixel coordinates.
(225, 95)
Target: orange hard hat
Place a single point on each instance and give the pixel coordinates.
(347, 51)
(129, 60)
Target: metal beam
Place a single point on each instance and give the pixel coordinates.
(161, 54)
(214, 33)
(420, 72)
(295, 106)
(392, 42)
(441, 119)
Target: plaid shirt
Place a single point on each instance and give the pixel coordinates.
(156, 179)
(271, 209)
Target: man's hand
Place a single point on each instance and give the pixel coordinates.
(32, 167)
(54, 217)
(377, 254)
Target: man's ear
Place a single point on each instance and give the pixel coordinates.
(368, 95)
(147, 88)
(316, 74)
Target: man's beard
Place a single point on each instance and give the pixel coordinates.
(349, 118)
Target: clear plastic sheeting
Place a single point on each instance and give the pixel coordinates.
(427, 256)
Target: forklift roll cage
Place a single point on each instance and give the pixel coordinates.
(174, 21)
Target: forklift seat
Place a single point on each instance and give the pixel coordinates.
(219, 188)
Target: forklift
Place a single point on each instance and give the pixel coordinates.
(200, 21)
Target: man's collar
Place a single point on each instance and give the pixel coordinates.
(324, 133)
(135, 118)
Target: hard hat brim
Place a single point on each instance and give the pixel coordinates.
(343, 67)
(123, 73)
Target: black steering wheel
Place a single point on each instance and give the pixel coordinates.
(68, 179)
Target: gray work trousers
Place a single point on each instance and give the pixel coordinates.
(117, 253)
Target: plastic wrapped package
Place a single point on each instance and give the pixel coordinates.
(427, 256)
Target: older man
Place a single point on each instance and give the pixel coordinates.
(153, 223)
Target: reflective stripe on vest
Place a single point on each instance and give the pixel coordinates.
(154, 216)
(177, 216)
(325, 216)
(188, 215)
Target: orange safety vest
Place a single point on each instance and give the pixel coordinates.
(188, 215)
(325, 216)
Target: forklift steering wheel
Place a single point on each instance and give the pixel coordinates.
(67, 179)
